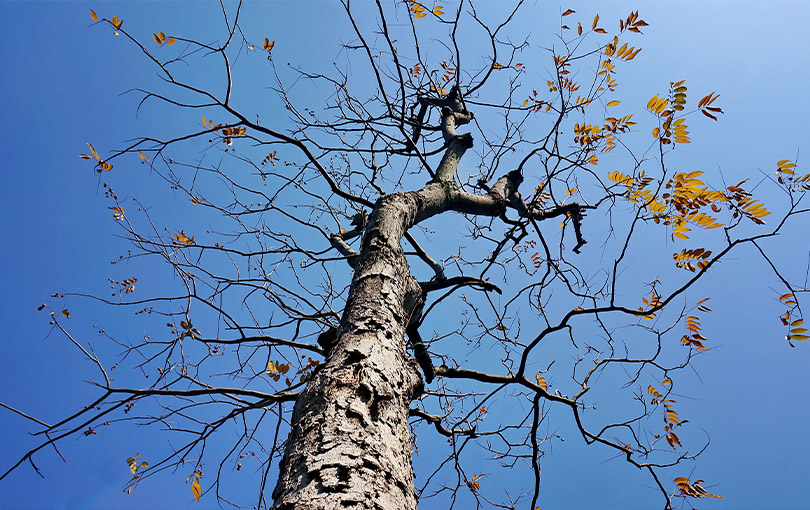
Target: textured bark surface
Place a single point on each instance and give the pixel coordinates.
(349, 444)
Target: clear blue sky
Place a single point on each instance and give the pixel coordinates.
(61, 86)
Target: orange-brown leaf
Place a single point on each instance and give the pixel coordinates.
(704, 112)
(196, 490)
(541, 381)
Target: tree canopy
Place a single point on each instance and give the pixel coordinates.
(571, 251)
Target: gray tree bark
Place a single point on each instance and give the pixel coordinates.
(349, 444)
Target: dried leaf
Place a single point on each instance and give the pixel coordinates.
(196, 490)
(541, 381)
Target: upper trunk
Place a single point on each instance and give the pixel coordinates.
(349, 445)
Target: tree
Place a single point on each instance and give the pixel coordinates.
(363, 162)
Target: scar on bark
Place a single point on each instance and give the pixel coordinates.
(327, 339)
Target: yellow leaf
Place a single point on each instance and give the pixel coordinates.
(93, 151)
(181, 238)
(161, 36)
(569, 11)
(196, 490)
(595, 21)
(171, 41)
(93, 15)
(118, 212)
(613, 103)
(541, 381)
(631, 56)
(438, 10)
(156, 38)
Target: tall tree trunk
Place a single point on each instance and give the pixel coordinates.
(349, 444)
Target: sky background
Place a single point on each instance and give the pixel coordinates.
(62, 83)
